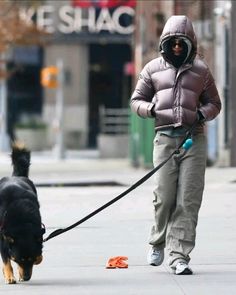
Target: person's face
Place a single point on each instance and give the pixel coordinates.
(177, 46)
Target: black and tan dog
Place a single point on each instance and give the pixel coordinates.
(21, 231)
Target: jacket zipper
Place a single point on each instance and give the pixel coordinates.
(174, 94)
(178, 72)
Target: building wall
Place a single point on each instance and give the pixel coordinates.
(221, 27)
(75, 60)
(82, 80)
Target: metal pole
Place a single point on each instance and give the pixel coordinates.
(4, 139)
(60, 145)
(233, 86)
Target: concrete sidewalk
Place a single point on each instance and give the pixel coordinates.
(74, 263)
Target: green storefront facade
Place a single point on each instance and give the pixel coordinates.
(141, 141)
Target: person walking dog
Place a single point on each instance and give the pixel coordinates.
(177, 89)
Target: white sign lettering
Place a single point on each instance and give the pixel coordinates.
(69, 20)
(82, 21)
(44, 19)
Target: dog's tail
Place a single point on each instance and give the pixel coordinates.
(20, 157)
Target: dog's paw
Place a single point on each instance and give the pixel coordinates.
(10, 280)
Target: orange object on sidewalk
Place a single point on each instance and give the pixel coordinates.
(117, 262)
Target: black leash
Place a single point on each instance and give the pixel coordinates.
(131, 188)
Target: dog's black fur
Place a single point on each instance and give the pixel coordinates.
(21, 231)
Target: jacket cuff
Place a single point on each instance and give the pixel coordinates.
(150, 111)
(201, 116)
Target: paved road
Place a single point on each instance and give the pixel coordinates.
(74, 263)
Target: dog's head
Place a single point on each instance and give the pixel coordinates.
(25, 248)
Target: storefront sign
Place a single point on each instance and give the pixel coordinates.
(103, 3)
(70, 19)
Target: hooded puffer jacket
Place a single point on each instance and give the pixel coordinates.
(174, 95)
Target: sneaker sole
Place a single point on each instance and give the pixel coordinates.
(154, 264)
(186, 271)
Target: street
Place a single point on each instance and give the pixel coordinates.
(74, 262)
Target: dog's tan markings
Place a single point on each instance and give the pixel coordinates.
(18, 145)
(38, 260)
(21, 273)
(8, 273)
(8, 239)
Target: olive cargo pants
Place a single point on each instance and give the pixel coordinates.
(178, 195)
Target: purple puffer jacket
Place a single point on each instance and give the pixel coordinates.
(174, 95)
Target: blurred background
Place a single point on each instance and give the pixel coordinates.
(68, 68)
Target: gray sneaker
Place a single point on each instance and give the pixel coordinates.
(182, 268)
(155, 256)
